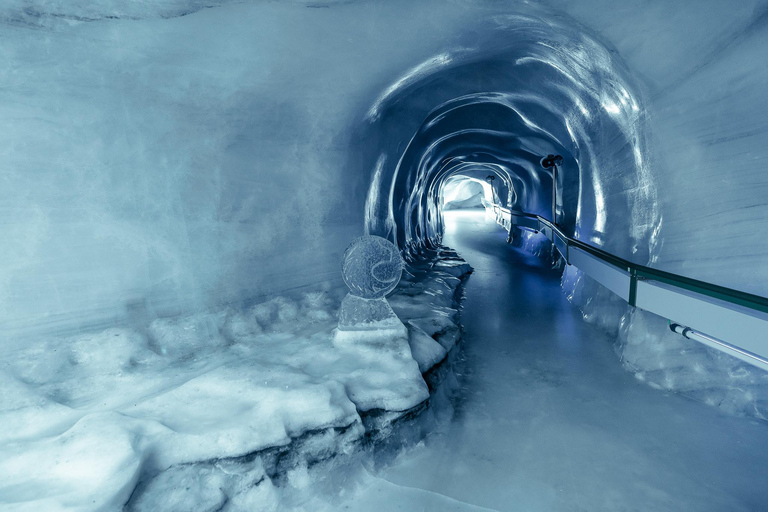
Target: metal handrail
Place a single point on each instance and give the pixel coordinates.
(637, 271)
(664, 293)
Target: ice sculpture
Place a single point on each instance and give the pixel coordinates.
(371, 268)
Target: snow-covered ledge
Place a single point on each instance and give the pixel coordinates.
(214, 409)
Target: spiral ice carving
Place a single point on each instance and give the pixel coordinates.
(372, 267)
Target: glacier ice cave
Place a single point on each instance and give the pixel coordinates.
(369, 255)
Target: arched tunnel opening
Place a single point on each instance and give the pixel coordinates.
(508, 111)
(461, 190)
(358, 255)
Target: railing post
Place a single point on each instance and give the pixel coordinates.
(632, 300)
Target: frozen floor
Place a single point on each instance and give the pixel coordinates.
(550, 421)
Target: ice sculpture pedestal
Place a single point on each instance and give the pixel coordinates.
(372, 268)
(367, 319)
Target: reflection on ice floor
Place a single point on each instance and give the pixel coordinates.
(549, 419)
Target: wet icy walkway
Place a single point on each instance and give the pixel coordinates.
(550, 421)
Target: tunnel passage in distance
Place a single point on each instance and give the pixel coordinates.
(499, 108)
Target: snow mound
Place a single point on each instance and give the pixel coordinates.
(475, 201)
(465, 193)
(92, 466)
(206, 411)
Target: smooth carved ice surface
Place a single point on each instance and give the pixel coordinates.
(372, 267)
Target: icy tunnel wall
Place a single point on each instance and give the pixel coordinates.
(707, 103)
(670, 202)
(163, 157)
(158, 157)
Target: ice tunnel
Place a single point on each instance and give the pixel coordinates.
(180, 180)
(547, 92)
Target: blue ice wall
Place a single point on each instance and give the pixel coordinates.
(706, 101)
(165, 157)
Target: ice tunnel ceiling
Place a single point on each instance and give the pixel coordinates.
(531, 88)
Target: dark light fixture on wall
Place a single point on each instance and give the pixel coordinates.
(553, 162)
